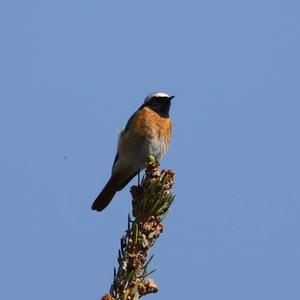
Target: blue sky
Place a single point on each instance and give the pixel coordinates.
(72, 72)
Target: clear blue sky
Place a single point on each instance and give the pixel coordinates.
(72, 72)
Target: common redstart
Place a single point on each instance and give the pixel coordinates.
(147, 132)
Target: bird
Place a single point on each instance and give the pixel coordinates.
(146, 133)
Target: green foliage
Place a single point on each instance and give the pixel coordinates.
(151, 201)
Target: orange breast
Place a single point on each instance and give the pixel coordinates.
(150, 124)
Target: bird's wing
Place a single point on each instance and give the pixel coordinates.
(122, 133)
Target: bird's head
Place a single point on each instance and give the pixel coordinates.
(160, 102)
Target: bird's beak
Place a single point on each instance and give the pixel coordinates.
(171, 97)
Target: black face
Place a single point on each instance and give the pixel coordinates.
(160, 105)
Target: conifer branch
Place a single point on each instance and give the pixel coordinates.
(151, 202)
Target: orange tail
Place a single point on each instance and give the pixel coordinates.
(106, 195)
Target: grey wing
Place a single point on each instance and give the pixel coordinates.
(128, 123)
(121, 134)
(116, 159)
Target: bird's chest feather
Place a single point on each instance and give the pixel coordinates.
(148, 132)
(151, 126)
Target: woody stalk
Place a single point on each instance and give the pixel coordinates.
(151, 201)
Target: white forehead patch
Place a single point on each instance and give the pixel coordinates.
(156, 94)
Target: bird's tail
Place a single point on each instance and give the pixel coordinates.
(106, 194)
